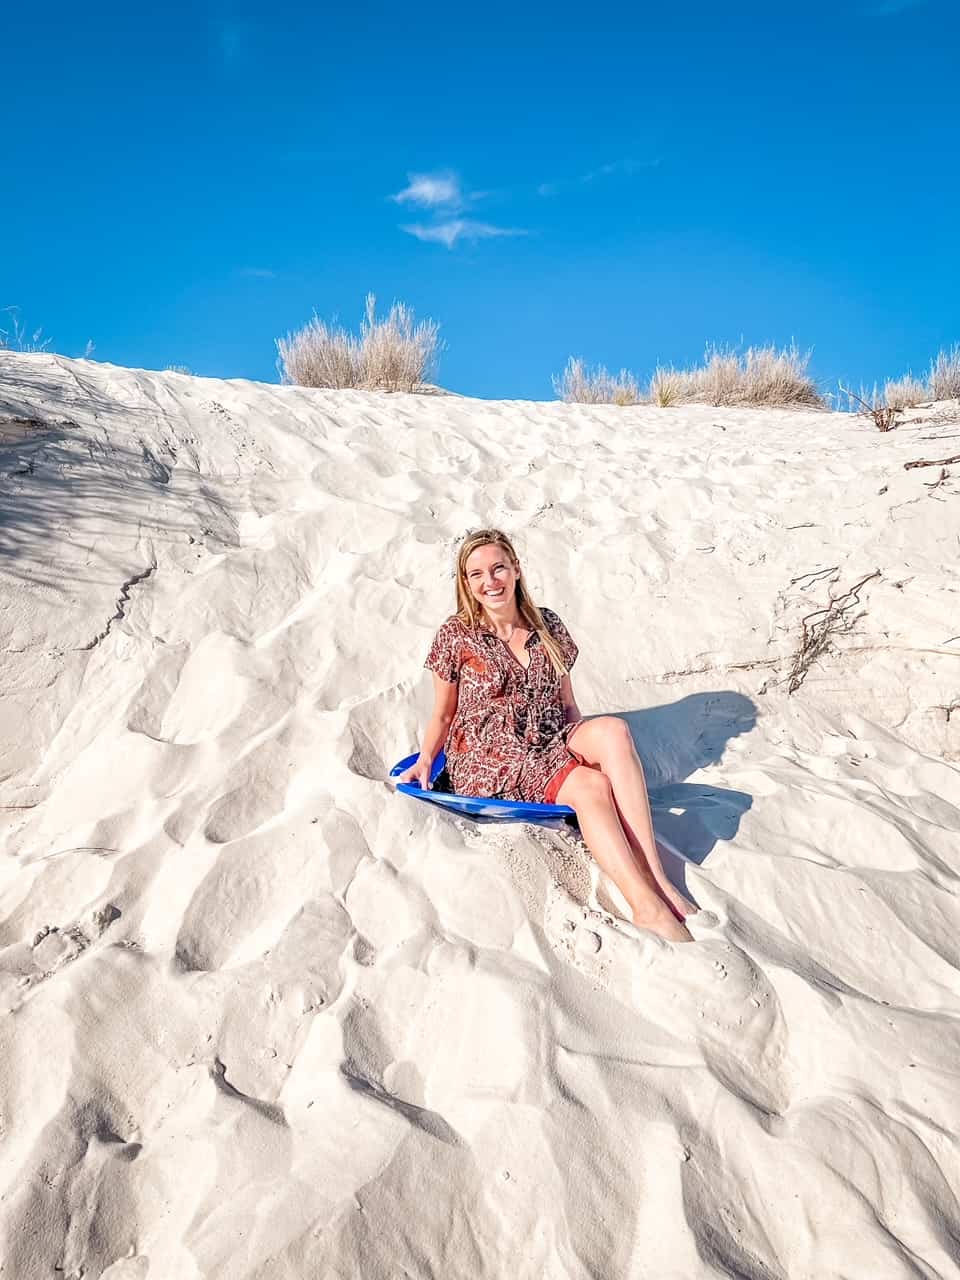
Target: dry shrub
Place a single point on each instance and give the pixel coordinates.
(717, 381)
(943, 380)
(318, 355)
(819, 628)
(579, 384)
(903, 393)
(762, 376)
(873, 405)
(395, 354)
(772, 377)
(16, 338)
(667, 386)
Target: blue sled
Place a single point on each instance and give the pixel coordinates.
(544, 815)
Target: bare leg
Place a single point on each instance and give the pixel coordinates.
(590, 795)
(606, 742)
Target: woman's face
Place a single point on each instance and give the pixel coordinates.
(492, 578)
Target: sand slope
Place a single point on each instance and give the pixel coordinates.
(268, 1019)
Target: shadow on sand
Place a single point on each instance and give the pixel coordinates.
(674, 741)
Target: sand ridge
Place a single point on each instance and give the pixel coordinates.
(267, 1019)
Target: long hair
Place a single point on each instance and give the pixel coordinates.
(469, 609)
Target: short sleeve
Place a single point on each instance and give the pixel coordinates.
(564, 639)
(444, 655)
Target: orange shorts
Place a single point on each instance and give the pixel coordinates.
(558, 779)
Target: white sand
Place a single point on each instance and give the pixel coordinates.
(270, 1019)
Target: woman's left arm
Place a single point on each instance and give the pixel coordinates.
(571, 711)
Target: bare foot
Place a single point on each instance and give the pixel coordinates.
(682, 906)
(660, 919)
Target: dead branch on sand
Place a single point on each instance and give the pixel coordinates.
(816, 635)
(884, 415)
(932, 462)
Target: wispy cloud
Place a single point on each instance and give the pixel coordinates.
(625, 167)
(887, 8)
(432, 191)
(613, 169)
(441, 194)
(455, 229)
(258, 273)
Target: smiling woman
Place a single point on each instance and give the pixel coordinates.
(506, 715)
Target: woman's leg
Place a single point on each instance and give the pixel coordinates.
(589, 794)
(606, 743)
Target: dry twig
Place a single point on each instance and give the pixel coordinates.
(815, 638)
(932, 462)
(884, 415)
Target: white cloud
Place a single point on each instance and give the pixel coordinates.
(604, 171)
(618, 167)
(431, 191)
(455, 229)
(258, 273)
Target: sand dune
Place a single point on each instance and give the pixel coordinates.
(268, 1019)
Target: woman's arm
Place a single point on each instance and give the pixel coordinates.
(445, 693)
(571, 711)
(444, 709)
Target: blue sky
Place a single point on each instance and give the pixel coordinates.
(624, 183)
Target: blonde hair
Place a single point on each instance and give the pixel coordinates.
(469, 609)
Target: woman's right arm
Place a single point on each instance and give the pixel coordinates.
(445, 694)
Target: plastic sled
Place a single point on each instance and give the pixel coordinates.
(484, 807)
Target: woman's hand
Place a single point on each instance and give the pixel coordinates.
(419, 772)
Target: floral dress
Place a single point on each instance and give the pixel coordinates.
(508, 738)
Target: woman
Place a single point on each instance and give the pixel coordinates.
(506, 713)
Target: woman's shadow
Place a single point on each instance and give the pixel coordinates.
(675, 740)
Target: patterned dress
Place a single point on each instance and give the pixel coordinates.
(508, 738)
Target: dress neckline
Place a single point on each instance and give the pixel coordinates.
(523, 668)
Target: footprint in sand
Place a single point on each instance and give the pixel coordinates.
(709, 993)
(26, 965)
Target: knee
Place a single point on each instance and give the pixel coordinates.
(617, 739)
(588, 787)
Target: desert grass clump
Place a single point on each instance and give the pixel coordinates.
(319, 355)
(762, 376)
(397, 354)
(904, 393)
(668, 386)
(16, 338)
(772, 377)
(943, 380)
(393, 354)
(579, 384)
(717, 381)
